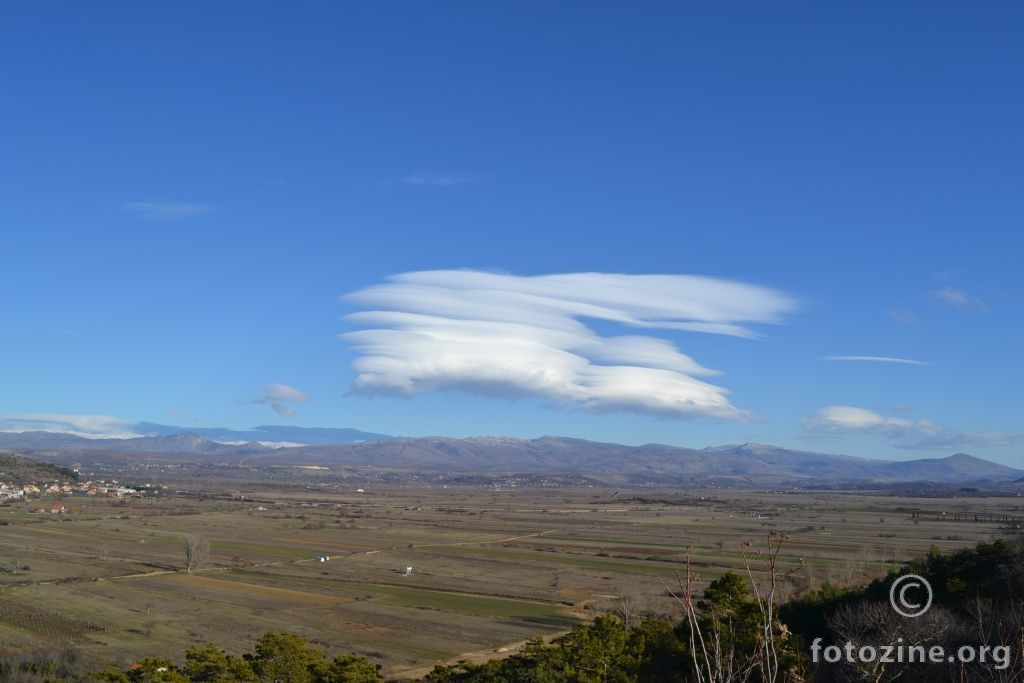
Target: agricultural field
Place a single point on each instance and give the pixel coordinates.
(489, 568)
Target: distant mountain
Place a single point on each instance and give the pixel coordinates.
(751, 464)
(956, 468)
(188, 442)
(42, 440)
(273, 434)
(743, 465)
(747, 464)
(268, 435)
(184, 443)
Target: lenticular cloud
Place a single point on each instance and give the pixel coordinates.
(501, 335)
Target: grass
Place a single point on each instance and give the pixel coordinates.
(470, 590)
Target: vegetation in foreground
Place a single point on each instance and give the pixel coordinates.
(733, 633)
(277, 657)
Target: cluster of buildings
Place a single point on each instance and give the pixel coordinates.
(11, 491)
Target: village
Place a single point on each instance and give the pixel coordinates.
(10, 491)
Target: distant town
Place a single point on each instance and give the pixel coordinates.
(11, 491)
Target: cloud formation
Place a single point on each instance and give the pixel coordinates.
(960, 299)
(278, 396)
(167, 211)
(876, 359)
(902, 433)
(90, 426)
(501, 335)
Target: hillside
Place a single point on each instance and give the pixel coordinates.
(746, 465)
(18, 469)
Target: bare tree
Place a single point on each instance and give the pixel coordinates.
(713, 655)
(717, 656)
(999, 624)
(196, 550)
(766, 596)
(629, 608)
(875, 624)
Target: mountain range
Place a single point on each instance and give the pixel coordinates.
(749, 464)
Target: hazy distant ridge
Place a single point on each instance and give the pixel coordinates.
(748, 464)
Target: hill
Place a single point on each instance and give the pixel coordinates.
(745, 465)
(21, 470)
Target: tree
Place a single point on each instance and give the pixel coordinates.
(196, 550)
(629, 607)
(148, 670)
(663, 657)
(349, 668)
(875, 624)
(286, 657)
(210, 664)
(727, 595)
(278, 658)
(599, 652)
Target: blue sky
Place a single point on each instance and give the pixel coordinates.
(195, 195)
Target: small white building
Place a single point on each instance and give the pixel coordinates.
(11, 492)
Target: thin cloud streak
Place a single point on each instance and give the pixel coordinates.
(500, 335)
(165, 211)
(436, 179)
(875, 359)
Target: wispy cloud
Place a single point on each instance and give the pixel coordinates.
(279, 396)
(92, 426)
(501, 335)
(960, 299)
(167, 211)
(904, 317)
(903, 433)
(436, 179)
(876, 359)
(901, 408)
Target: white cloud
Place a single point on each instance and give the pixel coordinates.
(283, 392)
(900, 432)
(876, 359)
(278, 396)
(960, 299)
(164, 211)
(282, 409)
(91, 426)
(504, 335)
